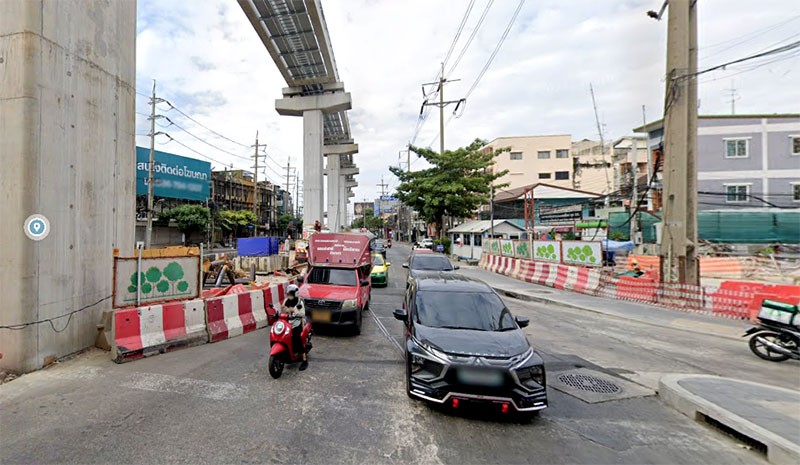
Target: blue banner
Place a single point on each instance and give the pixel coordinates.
(173, 176)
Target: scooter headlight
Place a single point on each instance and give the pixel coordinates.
(279, 327)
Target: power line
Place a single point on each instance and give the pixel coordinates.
(173, 107)
(455, 39)
(785, 48)
(471, 37)
(496, 49)
(746, 37)
(20, 326)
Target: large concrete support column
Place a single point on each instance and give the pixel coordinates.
(312, 168)
(312, 108)
(343, 199)
(67, 98)
(337, 215)
(334, 207)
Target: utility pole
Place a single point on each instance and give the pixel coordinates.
(634, 190)
(296, 198)
(734, 97)
(256, 156)
(650, 173)
(602, 147)
(383, 186)
(679, 239)
(153, 101)
(441, 104)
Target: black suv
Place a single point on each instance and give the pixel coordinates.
(463, 346)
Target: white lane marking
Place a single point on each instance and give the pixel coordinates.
(156, 382)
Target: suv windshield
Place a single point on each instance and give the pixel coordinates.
(377, 260)
(430, 262)
(483, 311)
(333, 276)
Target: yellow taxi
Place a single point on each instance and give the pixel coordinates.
(380, 270)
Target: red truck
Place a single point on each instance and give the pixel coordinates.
(336, 289)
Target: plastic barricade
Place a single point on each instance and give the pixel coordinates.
(151, 330)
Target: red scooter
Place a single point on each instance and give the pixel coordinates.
(280, 341)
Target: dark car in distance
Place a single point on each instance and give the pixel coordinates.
(463, 346)
(423, 261)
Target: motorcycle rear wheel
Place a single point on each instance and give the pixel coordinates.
(275, 367)
(763, 351)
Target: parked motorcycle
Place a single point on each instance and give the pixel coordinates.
(280, 340)
(774, 341)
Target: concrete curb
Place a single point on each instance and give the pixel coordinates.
(779, 450)
(548, 300)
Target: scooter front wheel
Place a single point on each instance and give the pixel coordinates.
(275, 367)
(759, 346)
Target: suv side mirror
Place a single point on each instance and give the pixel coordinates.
(457, 267)
(400, 314)
(522, 321)
(405, 265)
(365, 282)
(388, 264)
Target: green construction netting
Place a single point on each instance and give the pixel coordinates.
(725, 227)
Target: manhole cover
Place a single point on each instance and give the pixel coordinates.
(589, 383)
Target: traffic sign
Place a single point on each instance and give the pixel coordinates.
(37, 227)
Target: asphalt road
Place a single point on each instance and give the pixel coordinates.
(216, 403)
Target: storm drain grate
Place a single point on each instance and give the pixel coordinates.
(589, 383)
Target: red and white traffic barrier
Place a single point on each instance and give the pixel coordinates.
(144, 331)
(236, 314)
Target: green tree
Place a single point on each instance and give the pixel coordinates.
(283, 222)
(372, 223)
(190, 219)
(233, 222)
(457, 183)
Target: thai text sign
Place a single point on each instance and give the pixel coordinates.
(582, 253)
(173, 176)
(564, 214)
(547, 251)
(161, 279)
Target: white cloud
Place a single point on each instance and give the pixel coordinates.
(209, 62)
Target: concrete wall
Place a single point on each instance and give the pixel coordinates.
(67, 74)
(163, 236)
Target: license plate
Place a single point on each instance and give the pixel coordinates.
(321, 316)
(480, 377)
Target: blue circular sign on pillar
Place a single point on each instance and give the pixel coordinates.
(37, 227)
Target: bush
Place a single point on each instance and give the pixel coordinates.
(446, 243)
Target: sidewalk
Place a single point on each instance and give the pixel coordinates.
(768, 417)
(642, 313)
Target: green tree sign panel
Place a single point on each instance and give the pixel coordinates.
(161, 279)
(493, 246)
(583, 253)
(522, 250)
(547, 251)
(507, 247)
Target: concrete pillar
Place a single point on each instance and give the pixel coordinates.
(312, 108)
(67, 100)
(334, 206)
(343, 199)
(312, 167)
(337, 214)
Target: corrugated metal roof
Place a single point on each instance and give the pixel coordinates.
(481, 226)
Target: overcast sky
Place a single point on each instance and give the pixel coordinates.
(210, 64)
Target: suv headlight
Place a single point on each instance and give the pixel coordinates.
(532, 376)
(349, 304)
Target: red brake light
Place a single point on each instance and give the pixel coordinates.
(504, 408)
(455, 403)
